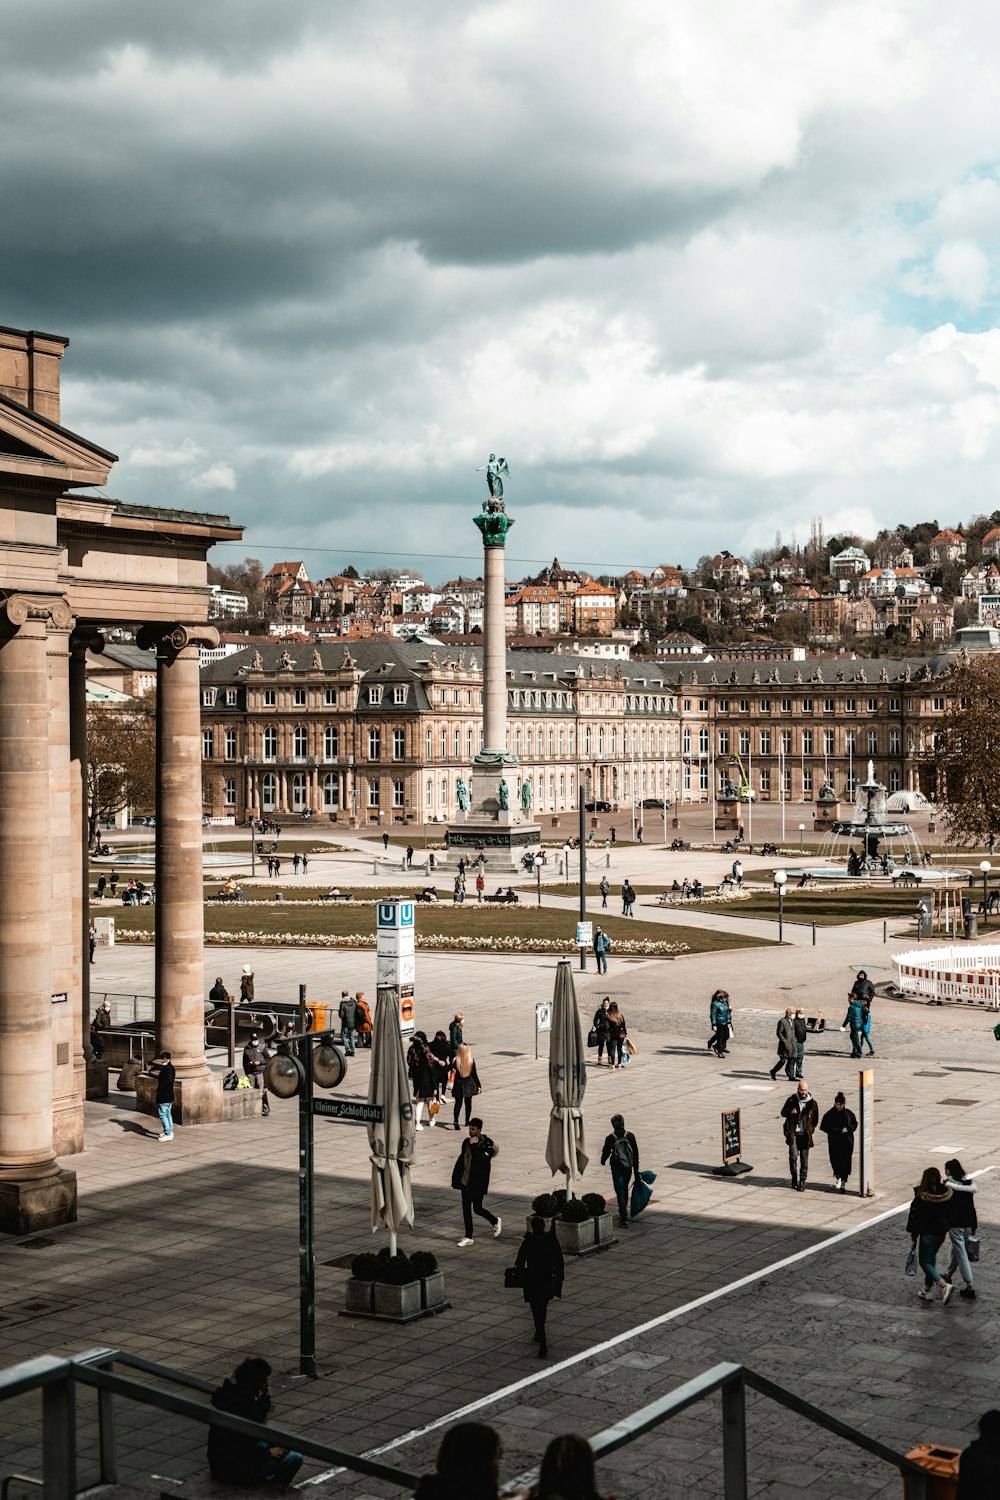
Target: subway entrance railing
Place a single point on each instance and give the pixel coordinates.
(57, 1381)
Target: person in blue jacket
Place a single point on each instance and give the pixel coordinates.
(720, 1017)
(856, 1021)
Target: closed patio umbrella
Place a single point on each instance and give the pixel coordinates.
(391, 1140)
(566, 1149)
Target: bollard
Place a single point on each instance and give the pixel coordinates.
(885, 932)
(814, 934)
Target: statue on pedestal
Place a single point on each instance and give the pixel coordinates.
(526, 796)
(462, 796)
(493, 471)
(504, 795)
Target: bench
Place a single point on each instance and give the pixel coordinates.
(906, 877)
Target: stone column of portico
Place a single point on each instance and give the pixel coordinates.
(494, 652)
(80, 642)
(180, 920)
(35, 1193)
(69, 1075)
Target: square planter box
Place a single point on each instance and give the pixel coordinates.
(397, 1301)
(575, 1239)
(359, 1296)
(604, 1227)
(432, 1290)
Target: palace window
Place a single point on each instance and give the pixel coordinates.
(269, 697)
(765, 742)
(299, 743)
(230, 744)
(373, 791)
(873, 742)
(827, 741)
(398, 744)
(723, 741)
(330, 697)
(331, 742)
(374, 744)
(744, 742)
(786, 742)
(270, 750)
(397, 793)
(331, 792)
(807, 742)
(374, 696)
(229, 791)
(206, 744)
(399, 695)
(299, 697)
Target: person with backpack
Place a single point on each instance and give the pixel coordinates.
(720, 1016)
(347, 1011)
(601, 945)
(622, 1151)
(628, 899)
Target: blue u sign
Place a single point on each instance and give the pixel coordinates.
(395, 914)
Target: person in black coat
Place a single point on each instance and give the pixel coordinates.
(839, 1125)
(540, 1261)
(471, 1177)
(235, 1459)
(466, 1085)
(427, 1073)
(979, 1466)
(927, 1226)
(599, 1026)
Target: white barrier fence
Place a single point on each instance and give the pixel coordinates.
(959, 975)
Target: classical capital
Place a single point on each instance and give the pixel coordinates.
(18, 609)
(171, 640)
(85, 639)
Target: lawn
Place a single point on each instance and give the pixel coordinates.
(828, 908)
(526, 923)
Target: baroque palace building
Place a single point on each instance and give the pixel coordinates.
(382, 731)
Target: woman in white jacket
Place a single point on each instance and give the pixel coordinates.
(962, 1224)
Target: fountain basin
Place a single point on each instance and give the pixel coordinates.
(922, 875)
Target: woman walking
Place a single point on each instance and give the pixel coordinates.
(466, 1084)
(839, 1125)
(927, 1226)
(960, 1211)
(365, 1024)
(540, 1261)
(720, 1016)
(455, 1033)
(616, 1035)
(599, 1026)
(426, 1073)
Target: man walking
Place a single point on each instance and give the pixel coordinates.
(628, 899)
(601, 945)
(854, 1021)
(604, 888)
(409, 856)
(622, 1150)
(347, 1010)
(246, 985)
(471, 1177)
(165, 1075)
(785, 1032)
(800, 1113)
(385, 841)
(720, 1016)
(295, 863)
(480, 887)
(255, 1055)
(801, 1032)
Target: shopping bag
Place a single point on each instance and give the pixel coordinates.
(642, 1191)
(972, 1247)
(911, 1264)
(630, 1047)
(591, 1038)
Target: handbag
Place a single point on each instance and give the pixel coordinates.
(911, 1264)
(434, 1108)
(642, 1191)
(972, 1248)
(591, 1037)
(512, 1277)
(630, 1047)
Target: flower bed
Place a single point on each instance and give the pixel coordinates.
(442, 942)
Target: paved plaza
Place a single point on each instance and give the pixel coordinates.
(188, 1253)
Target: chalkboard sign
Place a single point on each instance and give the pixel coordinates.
(732, 1146)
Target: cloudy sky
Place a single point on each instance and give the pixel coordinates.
(700, 269)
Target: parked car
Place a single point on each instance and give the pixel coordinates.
(597, 806)
(656, 802)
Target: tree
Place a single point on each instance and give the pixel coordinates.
(967, 752)
(121, 760)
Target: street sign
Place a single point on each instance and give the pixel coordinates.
(395, 915)
(395, 969)
(543, 1015)
(347, 1109)
(584, 934)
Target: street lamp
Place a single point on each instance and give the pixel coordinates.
(802, 829)
(986, 867)
(253, 850)
(780, 878)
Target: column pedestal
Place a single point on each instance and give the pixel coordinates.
(27, 1207)
(503, 836)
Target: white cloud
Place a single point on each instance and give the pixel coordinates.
(215, 477)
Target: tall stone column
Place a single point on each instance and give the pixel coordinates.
(80, 643)
(35, 1193)
(494, 651)
(180, 920)
(69, 1077)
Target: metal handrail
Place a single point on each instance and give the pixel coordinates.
(57, 1379)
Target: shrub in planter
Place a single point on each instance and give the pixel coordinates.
(595, 1203)
(544, 1204)
(575, 1211)
(559, 1198)
(431, 1279)
(395, 1270)
(423, 1263)
(365, 1266)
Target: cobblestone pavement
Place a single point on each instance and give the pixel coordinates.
(187, 1254)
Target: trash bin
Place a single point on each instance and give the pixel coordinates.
(942, 1464)
(972, 925)
(324, 1017)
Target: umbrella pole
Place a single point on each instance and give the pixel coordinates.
(392, 1243)
(569, 1185)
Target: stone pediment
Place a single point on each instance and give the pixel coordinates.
(31, 445)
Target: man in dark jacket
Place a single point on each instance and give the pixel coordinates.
(621, 1149)
(471, 1177)
(800, 1113)
(785, 1032)
(165, 1075)
(218, 994)
(347, 1011)
(979, 1466)
(801, 1032)
(255, 1055)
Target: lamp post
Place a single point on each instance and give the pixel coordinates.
(253, 849)
(986, 867)
(780, 877)
(802, 829)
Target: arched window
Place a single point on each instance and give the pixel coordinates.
(299, 792)
(331, 791)
(270, 746)
(299, 742)
(268, 789)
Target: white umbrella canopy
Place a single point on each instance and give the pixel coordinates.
(392, 1140)
(566, 1148)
